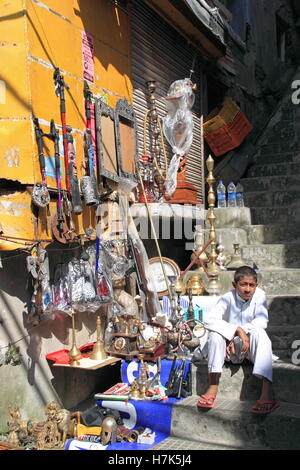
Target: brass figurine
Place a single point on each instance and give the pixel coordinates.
(221, 259)
(13, 425)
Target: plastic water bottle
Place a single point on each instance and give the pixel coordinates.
(231, 191)
(239, 195)
(221, 194)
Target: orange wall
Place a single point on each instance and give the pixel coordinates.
(39, 36)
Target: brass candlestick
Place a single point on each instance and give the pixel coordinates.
(98, 353)
(74, 352)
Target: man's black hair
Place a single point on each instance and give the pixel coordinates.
(244, 271)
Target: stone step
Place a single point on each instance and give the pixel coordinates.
(272, 198)
(270, 183)
(285, 341)
(238, 382)
(275, 281)
(255, 235)
(228, 236)
(187, 444)
(274, 169)
(282, 215)
(267, 156)
(278, 255)
(231, 217)
(275, 144)
(273, 233)
(231, 422)
(284, 310)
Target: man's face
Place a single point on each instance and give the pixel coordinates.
(245, 287)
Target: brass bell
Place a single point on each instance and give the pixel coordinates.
(98, 353)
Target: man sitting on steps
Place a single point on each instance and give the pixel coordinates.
(236, 330)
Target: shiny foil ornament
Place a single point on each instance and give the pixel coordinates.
(88, 191)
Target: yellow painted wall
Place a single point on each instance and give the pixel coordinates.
(35, 36)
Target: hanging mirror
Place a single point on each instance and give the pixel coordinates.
(126, 139)
(108, 155)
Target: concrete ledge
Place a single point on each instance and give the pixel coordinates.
(194, 212)
(273, 233)
(231, 217)
(277, 255)
(232, 423)
(275, 281)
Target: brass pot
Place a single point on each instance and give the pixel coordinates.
(196, 284)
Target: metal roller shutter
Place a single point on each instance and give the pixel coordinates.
(159, 53)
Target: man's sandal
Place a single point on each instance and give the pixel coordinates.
(262, 411)
(208, 403)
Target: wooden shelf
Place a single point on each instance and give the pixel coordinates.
(89, 364)
(61, 359)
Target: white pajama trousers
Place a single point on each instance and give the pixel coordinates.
(260, 352)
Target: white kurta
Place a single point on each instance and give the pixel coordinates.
(230, 312)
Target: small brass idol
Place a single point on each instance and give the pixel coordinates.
(98, 353)
(74, 353)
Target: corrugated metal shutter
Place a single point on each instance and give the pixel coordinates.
(160, 53)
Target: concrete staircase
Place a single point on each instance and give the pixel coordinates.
(268, 231)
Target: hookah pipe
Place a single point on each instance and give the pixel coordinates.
(196, 259)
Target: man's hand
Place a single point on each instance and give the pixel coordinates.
(244, 337)
(230, 349)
